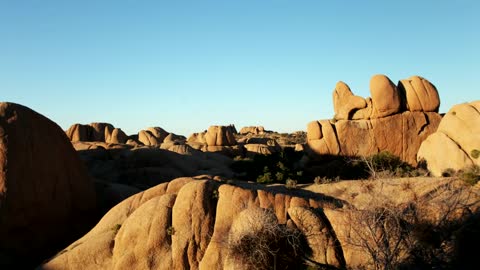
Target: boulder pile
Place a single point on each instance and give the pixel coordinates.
(395, 119)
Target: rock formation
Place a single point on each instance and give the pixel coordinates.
(456, 144)
(220, 136)
(96, 132)
(197, 223)
(420, 95)
(394, 119)
(257, 130)
(152, 136)
(45, 192)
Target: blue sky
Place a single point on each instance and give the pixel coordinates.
(186, 65)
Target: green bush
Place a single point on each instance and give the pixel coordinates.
(385, 164)
(475, 153)
(171, 230)
(470, 175)
(290, 183)
(267, 169)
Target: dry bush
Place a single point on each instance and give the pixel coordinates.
(258, 241)
(421, 233)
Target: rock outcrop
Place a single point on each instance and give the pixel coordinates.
(198, 223)
(394, 119)
(189, 224)
(152, 136)
(96, 132)
(46, 195)
(456, 143)
(256, 130)
(420, 95)
(146, 166)
(220, 136)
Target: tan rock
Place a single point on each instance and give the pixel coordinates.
(79, 132)
(262, 149)
(399, 134)
(345, 103)
(314, 131)
(420, 94)
(385, 97)
(256, 130)
(456, 144)
(46, 195)
(341, 94)
(328, 144)
(219, 136)
(115, 136)
(320, 238)
(197, 138)
(442, 153)
(99, 130)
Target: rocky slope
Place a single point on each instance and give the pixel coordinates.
(46, 196)
(197, 223)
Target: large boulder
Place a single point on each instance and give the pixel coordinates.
(192, 224)
(256, 130)
(153, 136)
(220, 136)
(96, 132)
(399, 134)
(46, 196)
(420, 94)
(385, 96)
(198, 223)
(345, 103)
(456, 144)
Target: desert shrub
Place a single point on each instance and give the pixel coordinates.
(475, 153)
(383, 165)
(325, 180)
(258, 241)
(290, 183)
(470, 175)
(275, 168)
(425, 234)
(170, 230)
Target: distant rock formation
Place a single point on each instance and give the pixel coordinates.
(456, 144)
(220, 136)
(45, 193)
(96, 132)
(394, 119)
(256, 130)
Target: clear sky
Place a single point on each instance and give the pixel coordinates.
(186, 65)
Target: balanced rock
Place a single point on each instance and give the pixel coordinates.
(456, 144)
(420, 94)
(385, 96)
(363, 127)
(345, 103)
(220, 136)
(45, 192)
